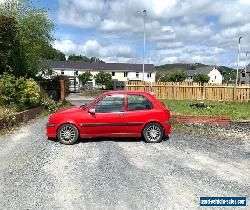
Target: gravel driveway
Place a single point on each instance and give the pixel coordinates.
(36, 173)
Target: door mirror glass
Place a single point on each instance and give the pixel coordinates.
(92, 111)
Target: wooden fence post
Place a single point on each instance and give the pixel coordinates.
(203, 91)
(234, 92)
(62, 91)
(174, 90)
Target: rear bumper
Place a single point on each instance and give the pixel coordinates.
(167, 127)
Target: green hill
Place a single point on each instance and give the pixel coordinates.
(184, 66)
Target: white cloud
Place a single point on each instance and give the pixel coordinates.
(82, 13)
(113, 25)
(93, 48)
(178, 30)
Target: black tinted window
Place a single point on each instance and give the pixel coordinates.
(113, 103)
(138, 102)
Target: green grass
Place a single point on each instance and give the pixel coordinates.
(234, 110)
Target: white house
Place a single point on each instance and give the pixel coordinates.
(119, 71)
(211, 71)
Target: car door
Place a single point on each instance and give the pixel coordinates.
(108, 117)
(138, 110)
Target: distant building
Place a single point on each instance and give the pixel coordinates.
(119, 71)
(245, 75)
(211, 71)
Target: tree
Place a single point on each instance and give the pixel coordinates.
(85, 77)
(96, 60)
(84, 59)
(202, 78)
(103, 78)
(177, 77)
(11, 52)
(229, 76)
(78, 58)
(50, 53)
(35, 30)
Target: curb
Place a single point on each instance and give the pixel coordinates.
(204, 119)
(22, 116)
(243, 122)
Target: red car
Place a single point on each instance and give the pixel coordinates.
(113, 114)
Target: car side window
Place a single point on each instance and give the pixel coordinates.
(138, 102)
(112, 103)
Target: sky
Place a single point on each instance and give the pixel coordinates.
(177, 31)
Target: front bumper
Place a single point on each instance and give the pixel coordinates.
(51, 129)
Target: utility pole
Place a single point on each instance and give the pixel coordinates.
(237, 76)
(144, 44)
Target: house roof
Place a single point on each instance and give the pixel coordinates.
(200, 70)
(79, 65)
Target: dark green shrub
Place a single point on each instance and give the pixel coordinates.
(103, 78)
(18, 91)
(202, 78)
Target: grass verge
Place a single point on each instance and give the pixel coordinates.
(234, 110)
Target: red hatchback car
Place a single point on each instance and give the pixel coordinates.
(113, 114)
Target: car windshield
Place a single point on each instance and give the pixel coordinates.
(88, 103)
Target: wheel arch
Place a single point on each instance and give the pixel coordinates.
(152, 121)
(68, 122)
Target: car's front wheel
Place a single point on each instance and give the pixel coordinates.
(67, 134)
(153, 133)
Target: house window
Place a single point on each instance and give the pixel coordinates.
(214, 77)
(113, 73)
(137, 74)
(149, 75)
(76, 73)
(243, 74)
(125, 74)
(62, 72)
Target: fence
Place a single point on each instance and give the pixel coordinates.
(193, 91)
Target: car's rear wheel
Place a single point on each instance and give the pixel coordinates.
(153, 133)
(67, 134)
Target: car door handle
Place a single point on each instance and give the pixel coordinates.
(121, 114)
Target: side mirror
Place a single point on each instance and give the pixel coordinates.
(92, 111)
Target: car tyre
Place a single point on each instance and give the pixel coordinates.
(153, 133)
(67, 134)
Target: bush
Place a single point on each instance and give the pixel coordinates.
(54, 83)
(110, 85)
(21, 92)
(85, 77)
(8, 113)
(49, 104)
(103, 78)
(202, 78)
(177, 77)
(7, 89)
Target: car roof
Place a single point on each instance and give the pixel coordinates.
(127, 92)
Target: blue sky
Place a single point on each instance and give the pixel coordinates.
(182, 31)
